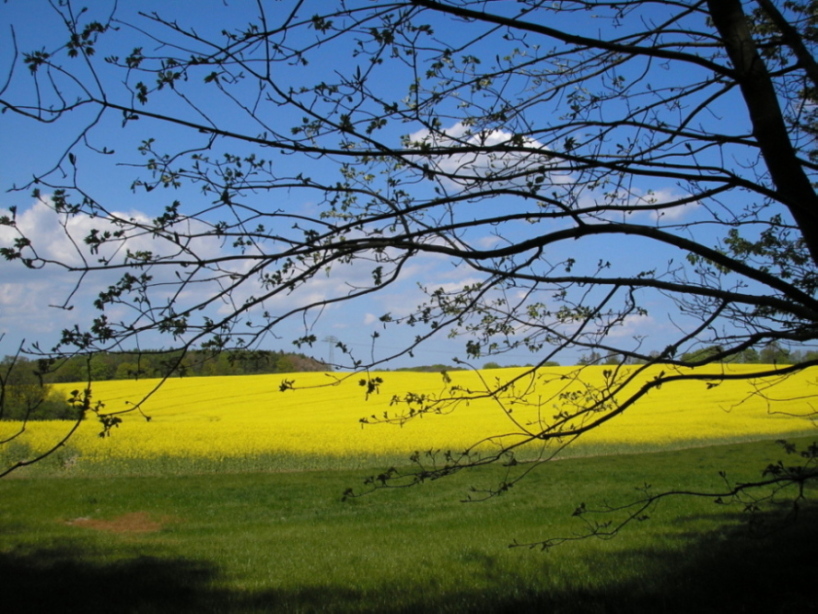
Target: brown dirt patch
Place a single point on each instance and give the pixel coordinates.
(134, 522)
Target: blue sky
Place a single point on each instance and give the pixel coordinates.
(30, 300)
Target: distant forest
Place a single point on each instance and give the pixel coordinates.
(26, 392)
(152, 364)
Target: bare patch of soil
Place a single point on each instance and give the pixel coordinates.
(134, 522)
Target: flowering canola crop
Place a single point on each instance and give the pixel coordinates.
(248, 416)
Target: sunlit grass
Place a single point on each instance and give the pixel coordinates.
(286, 542)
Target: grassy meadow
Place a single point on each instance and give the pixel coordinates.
(229, 500)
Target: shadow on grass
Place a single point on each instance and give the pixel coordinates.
(724, 571)
(727, 570)
(63, 580)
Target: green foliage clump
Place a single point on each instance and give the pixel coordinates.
(24, 396)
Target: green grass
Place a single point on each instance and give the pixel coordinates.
(285, 542)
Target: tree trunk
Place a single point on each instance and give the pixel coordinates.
(769, 128)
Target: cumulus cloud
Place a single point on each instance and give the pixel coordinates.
(634, 325)
(476, 159)
(60, 239)
(677, 211)
(370, 318)
(68, 274)
(31, 300)
(475, 164)
(488, 241)
(635, 205)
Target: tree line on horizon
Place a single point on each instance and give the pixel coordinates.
(771, 354)
(27, 385)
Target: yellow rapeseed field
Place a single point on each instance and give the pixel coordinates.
(246, 416)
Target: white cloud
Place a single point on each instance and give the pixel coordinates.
(634, 325)
(370, 318)
(676, 212)
(60, 239)
(634, 205)
(488, 241)
(41, 301)
(470, 169)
